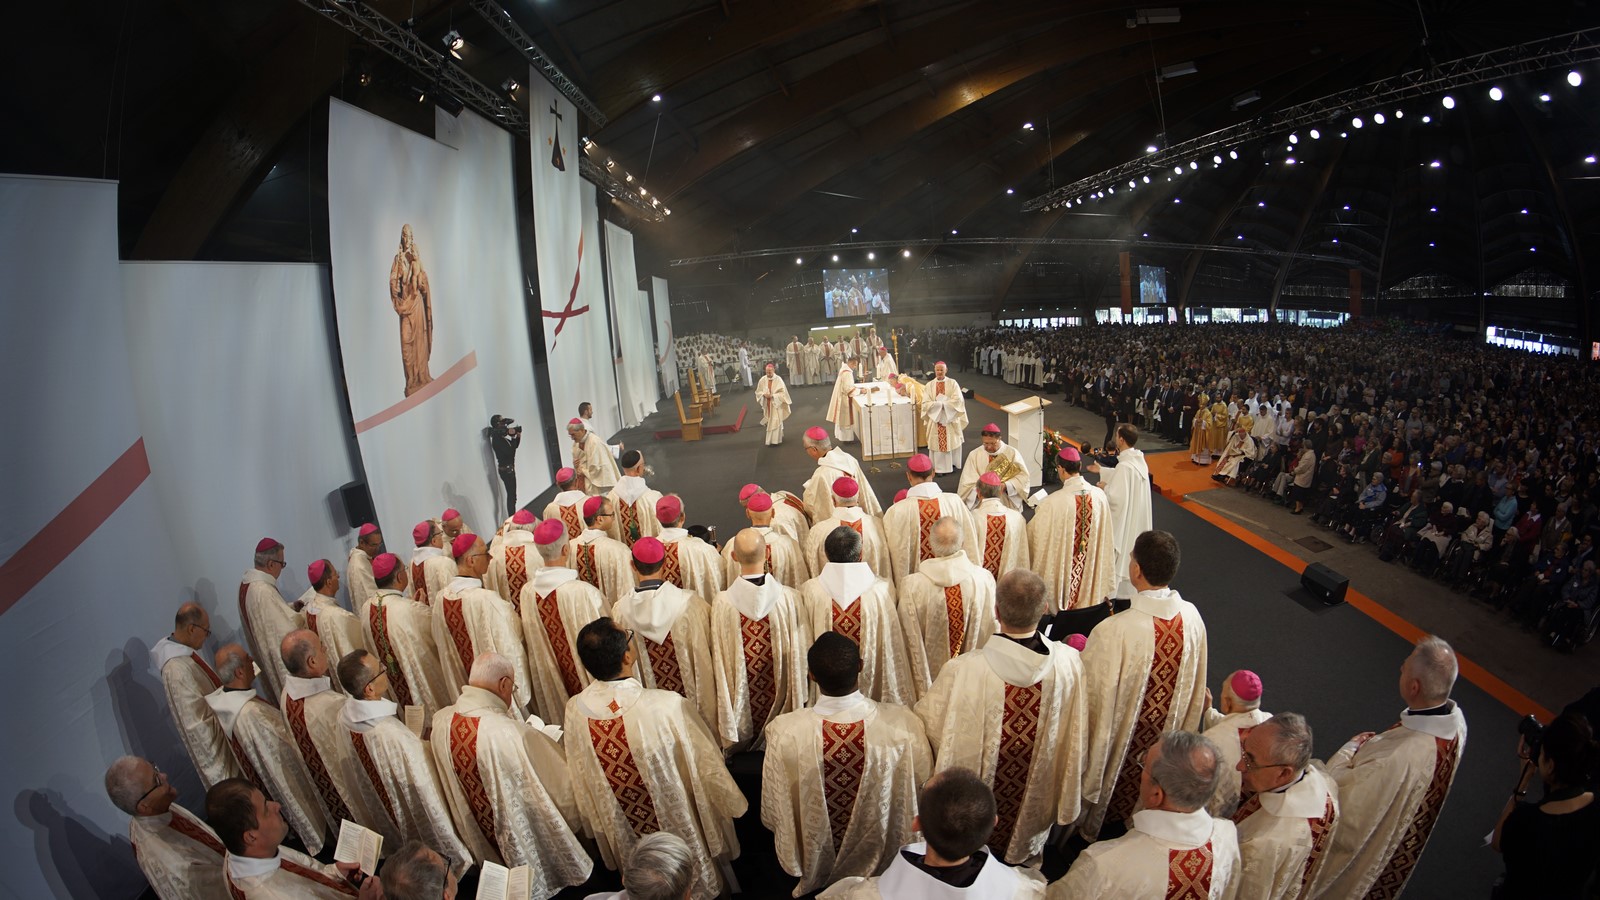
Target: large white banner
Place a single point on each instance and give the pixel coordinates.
(666, 347)
(572, 295)
(420, 280)
(636, 376)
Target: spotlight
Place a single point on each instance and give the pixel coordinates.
(1544, 98)
(421, 96)
(1132, 183)
(1194, 164)
(587, 144)
(1147, 177)
(1216, 160)
(1010, 191)
(655, 98)
(1430, 243)
(510, 85)
(628, 178)
(1433, 209)
(1241, 237)
(1435, 164)
(906, 253)
(1316, 135)
(798, 261)
(364, 78)
(1377, 118)
(1589, 160)
(854, 230)
(953, 231)
(666, 212)
(1495, 93)
(1177, 199)
(1027, 126)
(1261, 204)
(1147, 234)
(1289, 161)
(1294, 138)
(611, 164)
(1533, 249)
(1151, 149)
(1355, 122)
(1574, 78)
(1233, 154)
(871, 256)
(1177, 170)
(1336, 240)
(1427, 119)
(1448, 102)
(836, 257)
(643, 192)
(1112, 189)
(1344, 134)
(1524, 211)
(1399, 114)
(454, 43)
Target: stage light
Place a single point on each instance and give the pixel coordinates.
(1355, 122)
(666, 212)
(906, 253)
(1151, 149)
(421, 96)
(1027, 126)
(1399, 114)
(1289, 161)
(1177, 199)
(1216, 160)
(1177, 170)
(611, 164)
(1448, 102)
(1524, 211)
(1316, 135)
(1589, 160)
(1377, 118)
(1435, 164)
(1132, 183)
(1241, 237)
(1427, 119)
(1336, 240)
(1194, 164)
(854, 230)
(1495, 93)
(643, 192)
(364, 78)
(1261, 204)
(836, 257)
(1430, 243)
(871, 256)
(1344, 134)
(1010, 191)
(1233, 154)
(953, 231)
(1147, 234)
(1294, 138)
(1433, 209)
(1147, 177)
(1533, 249)
(587, 144)
(655, 98)
(454, 43)
(628, 178)
(1112, 189)
(510, 85)
(798, 261)
(1544, 98)
(1574, 78)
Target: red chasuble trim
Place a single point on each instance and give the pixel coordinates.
(664, 665)
(855, 526)
(574, 522)
(994, 543)
(1321, 828)
(760, 679)
(610, 740)
(419, 585)
(464, 760)
(359, 741)
(794, 501)
(844, 756)
(296, 714)
(556, 634)
(670, 570)
(1080, 547)
(455, 623)
(848, 621)
(1393, 878)
(1019, 727)
(1189, 873)
(956, 619)
(378, 620)
(194, 832)
(628, 518)
(1154, 709)
(210, 673)
(516, 574)
(928, 512)
(585, 564)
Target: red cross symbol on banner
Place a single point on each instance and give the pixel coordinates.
(567, 313)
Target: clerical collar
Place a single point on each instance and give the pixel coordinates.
(300, 688)
(1032, 642)
(1283, 789)
(1442, 709)
(361, 712)
(463, 583)
(250, 867)
(827, 706)
(960, 875)
(756, 580)
(649, 584)
(245, 688)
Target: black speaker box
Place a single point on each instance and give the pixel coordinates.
(357, 503)
(1324, 583)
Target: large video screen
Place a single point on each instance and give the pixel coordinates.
(1152, 286)
(855, 292)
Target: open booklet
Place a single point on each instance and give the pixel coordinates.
(496, 882)
(413, 719)
(358, 844)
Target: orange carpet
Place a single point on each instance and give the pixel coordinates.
(1176, 476)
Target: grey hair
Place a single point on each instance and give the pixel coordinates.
(414, 872)
(824, 443)
(296, 648)
(1291, 740)
(1019, 600)
(1186, 770)
(660, 868)
(1433, 664)
(123, 784)
(944, 538)
(552, 551)
(986, 491)
(228, 669)
(264, 558)
(489, 668)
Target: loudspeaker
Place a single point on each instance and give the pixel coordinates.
(357, 503)
(1324, 583)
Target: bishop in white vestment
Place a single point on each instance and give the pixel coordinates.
(794, 359)
(507, 783)
(432, 569)
(395, 761)
(842, 405)
(358, 568)
(1392, 785)
(598, 558)
(983, 459)
(691, 563)
(263, 746)
(470, 619)
(263, 613)
(832, 464)
(772, 395)
(311, 709)
(908, 523)
(1015, 713)
(1070, 540)
(847, 597)
(998, 539)
(785, 558)
(1146, 670)
(593, 457)
(180, 855)
(1127, 490)
(338, 627)
(633, 502)
(884, 367)
(188, 678)
(839, 781)
(847, 512)
(400, 632)
(1241, 711)
(1290, 812)
(511, 562)
(671, 633)
(642, 761)
(554, 605)
(757, 649)
(946, 609)
(944, 413)
(567, 504)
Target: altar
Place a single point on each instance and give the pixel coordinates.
(886, 421)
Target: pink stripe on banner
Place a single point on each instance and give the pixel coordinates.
(73, 525)
(433, 388)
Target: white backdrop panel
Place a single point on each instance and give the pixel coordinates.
(636, 377)
(666, 347)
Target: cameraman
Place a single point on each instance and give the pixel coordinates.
(504, 439)
(1549, 846)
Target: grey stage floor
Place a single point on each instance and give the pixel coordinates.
(1334, 665)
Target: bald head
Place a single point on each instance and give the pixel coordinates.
(750, 551)
(1429, 673)
(944, 538)
(234, 666)
(303, 655)
(191, 626)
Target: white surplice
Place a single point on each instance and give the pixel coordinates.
(1127, 488)
(266, 618)
(397, 764)
(946, 609)
(555, 605)
(979, 461)
(338, 628)
(850, 599)
(311, 709)
(568, 507)
(400, 632)
(187, 679)
(904, 881)
(908, 523)
(1071, 546)
(691, 563)
(833, 465)
(944, 413)
(979, 706)
(272, 762)
(592, 457)
(359, 584)
(602, 561)
(842, 407)
(290, 875)
(1146, 664)
(1390, 794)
(432, 570)
(1225, 732)
(758, 647)
(785, 558)
(633, 504)
(998, 538)
(874, 544)
(839, 787)
(642, 761)
(772, 396)
(470, 620)
(179, 854)
(672, 643)
(1284, 834)
(509, 791)
(1199, 853)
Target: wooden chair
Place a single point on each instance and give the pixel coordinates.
(691, 425)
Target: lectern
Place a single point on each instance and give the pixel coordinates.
(1025, 432)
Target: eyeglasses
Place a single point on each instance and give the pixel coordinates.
(1250, 765)
(277, 562)
(202, 628)
(161, 782)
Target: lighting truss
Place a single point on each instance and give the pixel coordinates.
(1571, 49)
(1111, 243)
(435, 69)
(496, 15)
